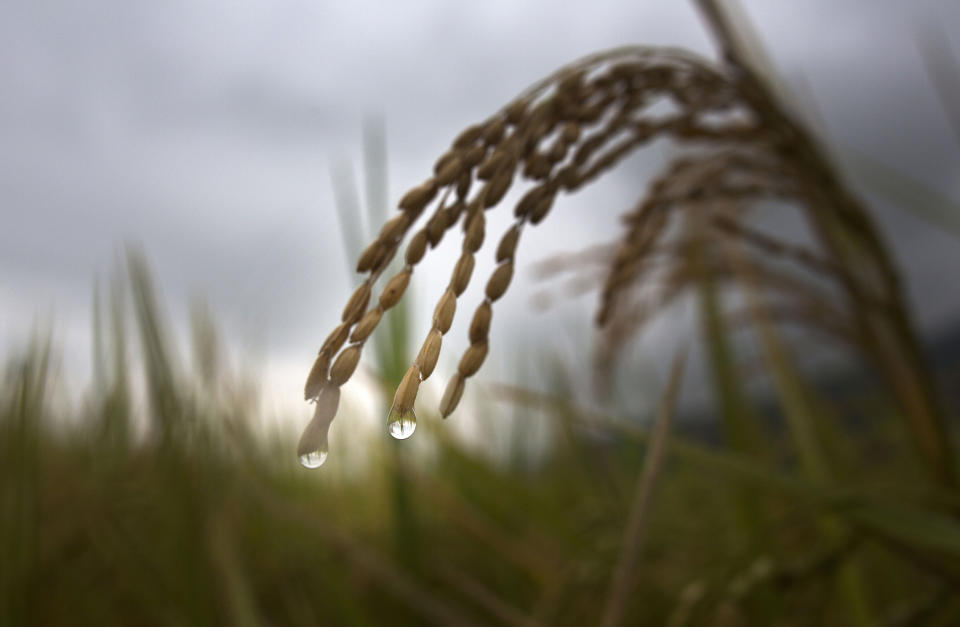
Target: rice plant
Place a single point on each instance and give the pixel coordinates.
(154, 500)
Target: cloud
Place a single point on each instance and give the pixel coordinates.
(205, 134)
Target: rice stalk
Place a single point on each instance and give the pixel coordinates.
(633, 534)
(576, 125)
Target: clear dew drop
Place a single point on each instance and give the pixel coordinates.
(314, 459)
(401, 425)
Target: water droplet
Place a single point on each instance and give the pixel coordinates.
(401, 425)
(315, 458)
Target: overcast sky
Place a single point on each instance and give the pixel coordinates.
(204, 133)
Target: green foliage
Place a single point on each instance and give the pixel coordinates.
(190, 518)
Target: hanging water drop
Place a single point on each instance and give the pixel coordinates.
(312, 449)
(401, 424)
(314, 459)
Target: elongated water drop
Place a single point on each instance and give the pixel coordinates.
(313, 448)
(401, 425)
(315, 459)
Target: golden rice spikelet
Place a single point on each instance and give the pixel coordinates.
(530, 200)
(473, 239)
(493, 132)
(393, 291)
(480, 325)
(406, 392)
(342, 369)
(508, 243)
(357, 303)
(474, 155)
(394, 228)
(450, 171)
(570, 133)
(461, 273)
(473, 358)
(497, 162)
(539, 210)
(443, 314)
(416, 248)
(436, 227)
(452, 395)
(417, 198)
(429, 353)
(317, 376)
(499, 280)
(336, 339)
(367, 324)
(468, 136)
(516, 112)
(369, 256)
(497, 188)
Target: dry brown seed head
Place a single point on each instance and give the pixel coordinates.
(450, 214)
(480, 325)
(570, 133)
(589, 115)
(394, 289)
(461, 273)
(571, 83)
(588, 147)
(473, 240)
(463, 186)
(357, 303)
(543, 118)
(443, 314)
(508, 243)
(383, 259)
(567, 177)
(455, 211)
(444, 159)
(474, 155)
(627, 71)
(436, 227)
(317, 376)
(406, 392)
(516, 111)
(557, 152)
(394, 228)
(342, 369)
(540, 210)
(369, 256)
(429, 352)
(493, 133)
(336, 339)
(452, 395)
(498, 161)
(474, 206)
(473, 358)
(530, 200)
(366, 325)
(416, 248)
(497, 188)
(499, 281)
(537, 166)
(450, 171)
(417, 198)
(468, 136)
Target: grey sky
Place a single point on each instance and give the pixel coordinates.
(204, 132)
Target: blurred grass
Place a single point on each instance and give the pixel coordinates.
(193, 517)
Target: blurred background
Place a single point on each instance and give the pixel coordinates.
(170, 177)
